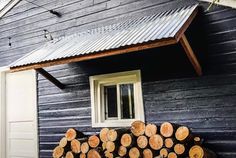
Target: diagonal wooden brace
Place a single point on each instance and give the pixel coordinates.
(191, 56)
(50, 78)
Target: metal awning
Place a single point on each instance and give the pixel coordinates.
(133, 35)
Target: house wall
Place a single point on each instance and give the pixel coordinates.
(171, 90)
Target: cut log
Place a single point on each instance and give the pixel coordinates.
(93, 141)
(69, 154)
(138, 128)
(198, 141)
(172, 155)
(150, 130)
(156, 142)
(104, 144)
(147, 153)
(197, 151)
(134, 153)
(164, 152)
(169, 142)
(112, 135)
(142, 142)
(166, 129)
(93, 153)
(110, 146)
(122, 151)
(58, 152)
(75, 146)
(71, 134)
(84, 147)
(179, 149)
(82, 155)
(127, 140)
(115, 134)
(63, 142)
(182, 133)
(103, 134)
(108, 154)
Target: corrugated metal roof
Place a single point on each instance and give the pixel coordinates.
(131, 32)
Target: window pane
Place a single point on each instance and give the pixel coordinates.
(110, 101)
(127, 101)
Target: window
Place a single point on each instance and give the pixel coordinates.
(116, 99)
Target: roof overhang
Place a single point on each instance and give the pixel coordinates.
(158, 30)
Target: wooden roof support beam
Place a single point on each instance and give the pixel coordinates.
(191, 56)
(49, 77)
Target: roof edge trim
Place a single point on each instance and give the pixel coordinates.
(8, 7)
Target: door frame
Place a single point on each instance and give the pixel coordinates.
(3, 71)
(3, 112)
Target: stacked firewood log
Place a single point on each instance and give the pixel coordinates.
(140, 140)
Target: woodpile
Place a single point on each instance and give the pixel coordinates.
(139, 141)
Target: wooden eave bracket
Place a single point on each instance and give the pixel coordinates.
(49, 77)
(190, 54)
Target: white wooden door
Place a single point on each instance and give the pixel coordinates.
(21, 115)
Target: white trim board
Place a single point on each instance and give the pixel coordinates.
(8, 7)
(228, 3)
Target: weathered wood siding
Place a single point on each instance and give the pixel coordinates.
(171, 90)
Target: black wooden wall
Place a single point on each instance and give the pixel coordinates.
(171, 90)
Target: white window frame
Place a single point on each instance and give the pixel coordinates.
(98, 113)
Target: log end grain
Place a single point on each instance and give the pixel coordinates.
(103, 134)
(58, 152)
(71, 134)
(142, 142)
(134, 153)
(151, 129)
(82, 155)
(126, 140)
(84, 147)
(196, 152)
(169, 142)
(110, 146)
(166, 129)
(172, 155)
(63, 142)
(75, 146)
(182, 133)
(179, 149)
(156, 142)
(138, 128)
(164, 152)
(69, 154)
(93, 141)
(122, 151)
(93, 154)
(112, 135)
(147, 153)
